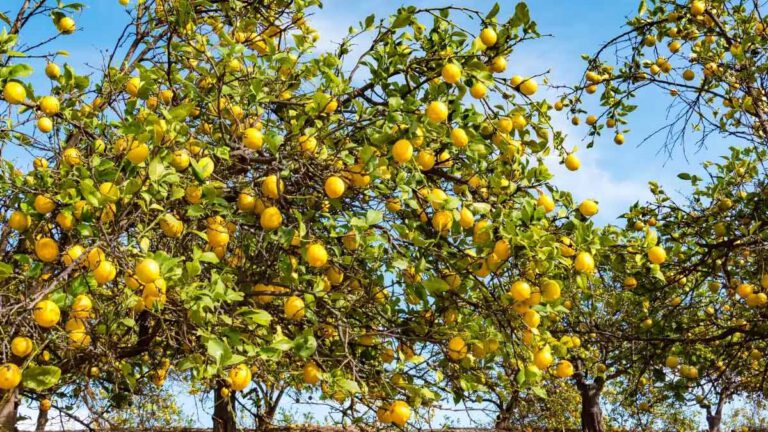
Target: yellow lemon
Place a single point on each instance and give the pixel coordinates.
(46, 249)
(294, 308)
(46, 313)
(271, 218)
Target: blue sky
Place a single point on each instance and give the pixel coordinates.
(615, 176)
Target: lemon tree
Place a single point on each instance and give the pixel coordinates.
(232, 208)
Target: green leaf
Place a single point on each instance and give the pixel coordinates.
(305, 345)
(373, 217)
(218, 350)
(156, 169)
(494, 11)
(180, 112)
(39, 378)
(5, 270)
(436, 285)
(349, 386)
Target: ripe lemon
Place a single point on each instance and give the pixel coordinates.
(442, 221)
(10, 376)
(459, 137)
(239, 377)
(46, 249)
(572, 162)
(588, 208)
(246, 202)
(311, 374)
(19, 221)
(109, 191)
(584, 263)
(399, 413)
(46, 313)
(14, 93)
(618, 139)
(550, 290)
(147, 270)
(334, 187)
(308, 144)
(505, 124)
(657, 255)
(49, 105)
(22, 346)
(564, 369)
(520, 291)
(316, 255)
(71, 156)
(66, 25)
(272, 187)
(79, 338)
(335, 276)
(543, 358)
(44, 124)
(528, 87)
(105, 272)
(43, 204)
(52, 71)
(138, 152)
(218, 236)
(132, 86)
(481, 233)
(95, 257)
(271, 218)
(478, 90)
(466, 218)
(698, 7)
(498, 64)
(457, 348)
(402, 151)
(437, 111)
(180, 159)
(451, 73)
(531, 318)
(488, 37)
(74, 324)
(425, 160)
(253, 139)
(193, 194)
(294, 308)
(81, 307)
(546, 202)
(672, 362)
(72, 254)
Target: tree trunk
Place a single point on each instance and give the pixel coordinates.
(224, 412)
(504, 418)
(8, 409)
(591, 413)
(713, 423)
(42, 420)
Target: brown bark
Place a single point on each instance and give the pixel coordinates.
(224, 412)
(42, 420)
(9, 407)
(591, 412)
(713, 423)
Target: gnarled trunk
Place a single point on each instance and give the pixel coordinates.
(224, 412)
(591, 412)
(504, 418)
(713, 422)
(42, 420)
(9, 407)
